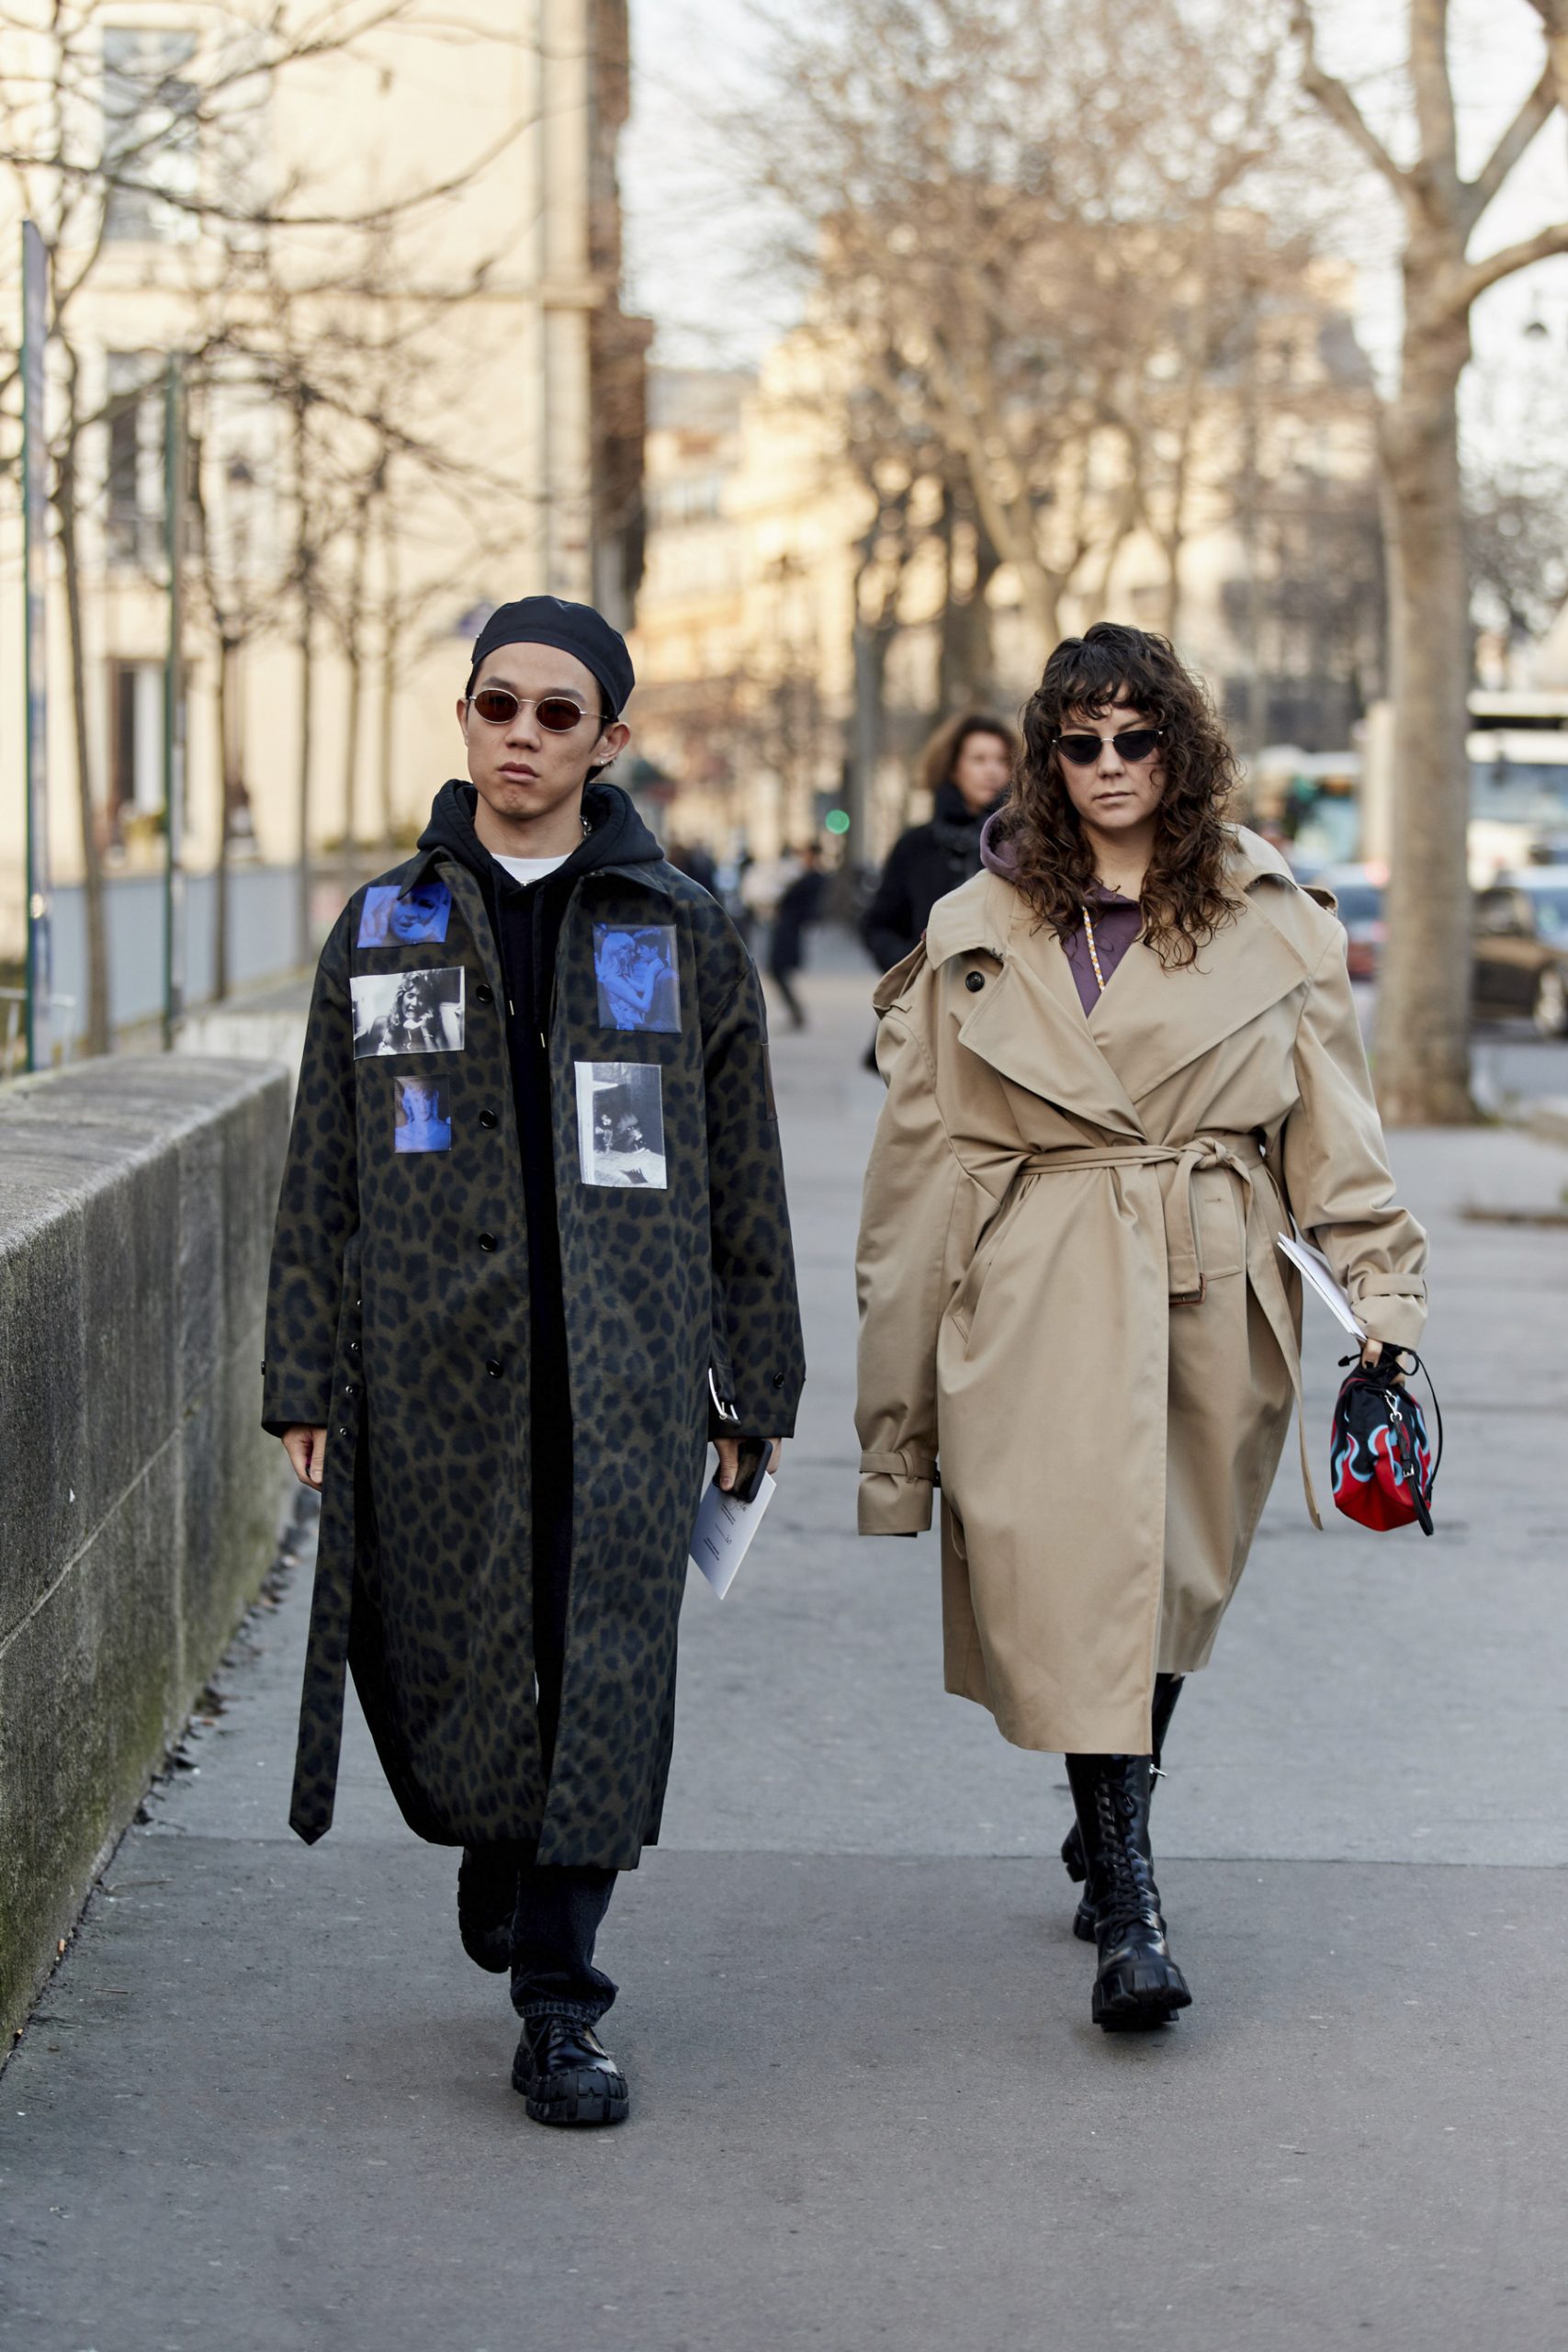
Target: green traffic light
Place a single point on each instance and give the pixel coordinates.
(837, 820)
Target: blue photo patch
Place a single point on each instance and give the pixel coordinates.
(423, 1117)
(638, 975)
(389, 919)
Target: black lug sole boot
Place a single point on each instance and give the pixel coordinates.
(1138, 1984)
(486, 1898)
(1168, 1689)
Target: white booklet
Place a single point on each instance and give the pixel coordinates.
(1317, 1272)
(722, 1536)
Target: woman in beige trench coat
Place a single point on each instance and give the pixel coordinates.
(1122, 1059)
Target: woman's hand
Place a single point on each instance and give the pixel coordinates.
(1372, 1356)
(729, 1460)
(307, 1451)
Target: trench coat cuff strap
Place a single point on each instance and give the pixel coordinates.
(907, 1465)
(889, 1505)
(1389, 1307)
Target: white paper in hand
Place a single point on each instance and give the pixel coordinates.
(722, 1536)
(1320, 1275)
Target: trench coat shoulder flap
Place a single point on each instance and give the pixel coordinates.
(1026, 1020)
(1151, 1029)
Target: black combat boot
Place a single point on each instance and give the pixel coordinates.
(487, 1897)
(567, 2075)
(1138, 1983)
(1168, 1689)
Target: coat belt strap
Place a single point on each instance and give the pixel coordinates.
(1240, 1154)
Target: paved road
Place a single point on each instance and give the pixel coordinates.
(264, 2104)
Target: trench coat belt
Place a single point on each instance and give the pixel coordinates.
(1240, 1154)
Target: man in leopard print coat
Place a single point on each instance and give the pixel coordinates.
(532, 1253)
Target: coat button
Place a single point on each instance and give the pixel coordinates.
(484, 993)
(340, 1430)
(778, 1380)
(487, 1241)
(354, 1347)
(974, 980)
(349, 1389)
(487, 1119)
(495, 1367)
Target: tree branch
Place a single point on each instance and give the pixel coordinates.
(1530, 120)
(1480, 275)
(1335, 98)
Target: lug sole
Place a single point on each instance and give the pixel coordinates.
(578, 2097)
(1138, 1995)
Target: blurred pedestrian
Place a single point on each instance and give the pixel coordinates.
(799, 907)
(692, 859)
(1126, 1057)
(966, 767)
(493, 1335)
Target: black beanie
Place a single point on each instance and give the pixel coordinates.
(572, 628)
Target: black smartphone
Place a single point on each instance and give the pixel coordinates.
(755, 1453)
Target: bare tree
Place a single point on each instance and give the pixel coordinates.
(1422, 1024)
(111, 132)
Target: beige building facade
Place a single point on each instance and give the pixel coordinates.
(770, 565)
(394, 266)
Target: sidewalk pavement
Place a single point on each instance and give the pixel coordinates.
(264, 2104)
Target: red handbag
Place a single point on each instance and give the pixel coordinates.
(1381, 1459)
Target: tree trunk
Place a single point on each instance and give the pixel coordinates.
(1423, 1021)
(305, 642)
(388, 696)
(351, 758)
(95, 926)
(228, 656)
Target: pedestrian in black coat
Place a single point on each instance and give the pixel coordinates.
(799, 906)
(966, 767)
(532, 1252)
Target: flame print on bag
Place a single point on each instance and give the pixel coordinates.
(1376, 1482)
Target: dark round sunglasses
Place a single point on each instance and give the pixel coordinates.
(556, 713)
(1133, 744)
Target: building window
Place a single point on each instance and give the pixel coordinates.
(134, 422)
(149, 136)
(136, 743)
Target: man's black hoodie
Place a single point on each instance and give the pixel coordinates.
(526, 922)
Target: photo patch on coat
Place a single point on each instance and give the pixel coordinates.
(620, 1123)
(388, 919)
(639, 981)
(422, 1118)
(408, 1012)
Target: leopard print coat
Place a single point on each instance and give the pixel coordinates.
(398, 1318)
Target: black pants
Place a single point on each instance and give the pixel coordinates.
(781, 976)
(559, 1913)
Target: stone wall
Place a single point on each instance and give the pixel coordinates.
(143, 1502)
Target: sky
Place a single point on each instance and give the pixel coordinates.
(694, 243)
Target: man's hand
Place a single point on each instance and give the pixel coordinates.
(307, 1451)
(729, 1459)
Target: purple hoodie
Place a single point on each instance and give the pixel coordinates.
(1117, 920)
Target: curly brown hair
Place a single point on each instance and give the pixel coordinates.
(1185, 896)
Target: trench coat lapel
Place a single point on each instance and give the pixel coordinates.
(1150, 1023)
(1028, 1022)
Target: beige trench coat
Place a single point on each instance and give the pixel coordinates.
(1070, 1292)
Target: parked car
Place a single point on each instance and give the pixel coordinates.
(1521, 949)
(1359, 902)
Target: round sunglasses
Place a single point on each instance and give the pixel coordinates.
(556, 713)
(1134, 743)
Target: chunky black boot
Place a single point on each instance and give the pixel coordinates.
(487, 1897)
(567, 2075)
(1138, 1983)
(1168, 1689)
